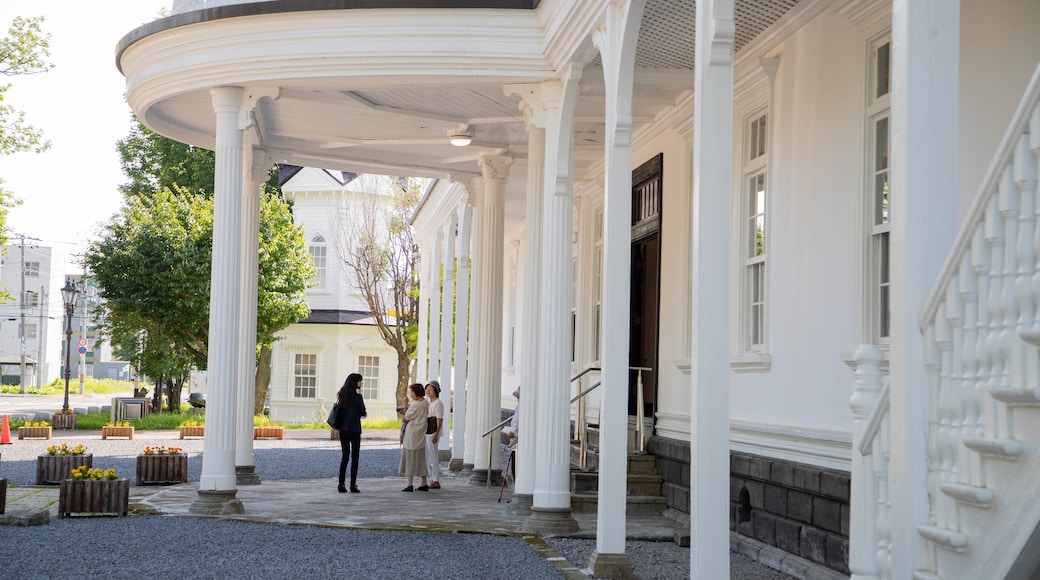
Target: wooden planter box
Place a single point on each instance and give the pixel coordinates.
(110, 497)
(195, 431)
(53, 469)
(117, 431)
(162, 469)
(34, 432)
(64, 421)
(268, 432)
(3, 495)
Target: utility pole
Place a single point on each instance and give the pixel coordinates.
(21, 325)
(41, 344)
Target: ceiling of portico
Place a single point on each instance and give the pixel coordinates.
(401, 127)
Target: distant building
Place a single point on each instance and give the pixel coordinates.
(313, 357)
(44, 271)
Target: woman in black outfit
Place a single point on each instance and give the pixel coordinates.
(351, 410)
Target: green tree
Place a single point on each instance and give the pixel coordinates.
(153, 162)
(152, 262)
(24, 51)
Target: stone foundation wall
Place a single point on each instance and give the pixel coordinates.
(799, 508)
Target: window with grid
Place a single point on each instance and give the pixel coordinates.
(878, 168)
(753, 287)
(305, 376)
(32, 269)
(319, 256)
(368, 367)
(32, 299)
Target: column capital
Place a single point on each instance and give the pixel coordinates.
(536, 100)
(495, 167)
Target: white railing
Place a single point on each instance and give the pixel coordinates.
(980, 326)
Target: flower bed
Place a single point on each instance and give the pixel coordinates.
(192, 431)
(117, 431)
(162, 466)
(64, 420)
(34, 432)
(53, 469)
(110, 497)
(268, 432)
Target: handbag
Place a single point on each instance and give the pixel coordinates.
(333, 419)
(431, 425)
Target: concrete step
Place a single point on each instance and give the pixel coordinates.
(638, 484)
(635, 504)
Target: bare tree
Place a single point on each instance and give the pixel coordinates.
(376, 245)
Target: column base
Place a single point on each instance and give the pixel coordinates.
(216, 503)
(617, 566)
(246, 475)
(520, 504)
(480, 477)
(545, 521)
(467, 469)
(455, 464)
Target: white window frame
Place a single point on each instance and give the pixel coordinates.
(296, 364)
(32, 299)
(366, 364)
(32, 269)
(318, 250)
(877, 221)
(30, 331)
(756, 145)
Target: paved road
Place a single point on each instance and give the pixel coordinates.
(14, 404)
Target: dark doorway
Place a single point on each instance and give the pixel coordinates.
(645, 280)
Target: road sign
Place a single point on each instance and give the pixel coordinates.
(83, 342)
(82, 349)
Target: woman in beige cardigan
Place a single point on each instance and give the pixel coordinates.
(413, 437)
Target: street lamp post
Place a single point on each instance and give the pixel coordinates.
(68, 295)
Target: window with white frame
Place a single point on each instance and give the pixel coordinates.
(30, 331)
(318, 250)
(305, 376)
(32, 269)
(878, 115)
(32, 299)
(368, 367)
(755, 236)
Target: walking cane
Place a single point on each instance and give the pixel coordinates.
(505, 470)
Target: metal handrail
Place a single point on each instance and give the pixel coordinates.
(497, 426)
(490, 447)
(582, 394)
(581, 427)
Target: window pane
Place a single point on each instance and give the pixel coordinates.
(881, 200)
(756, 215)
(761, 143)
(883, 286)
(883, 71)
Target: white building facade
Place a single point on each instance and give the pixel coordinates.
(311, 359)
(39, 308)
(796, 242)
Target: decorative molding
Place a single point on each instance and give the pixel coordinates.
(685, 365)
(831, 449)
(751, 362)
(301, 345)
(495, 166)
(672, 426)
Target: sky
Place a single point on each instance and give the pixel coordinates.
(68, 191)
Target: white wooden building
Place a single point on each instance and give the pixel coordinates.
(313, 357)
(812, 221)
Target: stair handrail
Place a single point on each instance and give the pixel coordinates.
(987, 190)
(581, 425)
(873, 426)
(640, 427)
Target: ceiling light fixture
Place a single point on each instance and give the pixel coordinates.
(460, 140)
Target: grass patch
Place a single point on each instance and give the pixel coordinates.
(90, 385)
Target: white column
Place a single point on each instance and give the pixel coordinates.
(712, 191)
(532, 104)
(422, 360)
(462, 356)
(475, 188)
(255, 165)
(487, 407)
(447, 317)
(217, 482)
(925, 50)
(434, 283)
(617, 45)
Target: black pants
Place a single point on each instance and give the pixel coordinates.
(351, 444)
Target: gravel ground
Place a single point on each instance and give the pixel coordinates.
(156, 546)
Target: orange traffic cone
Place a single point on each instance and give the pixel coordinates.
(5, 433)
